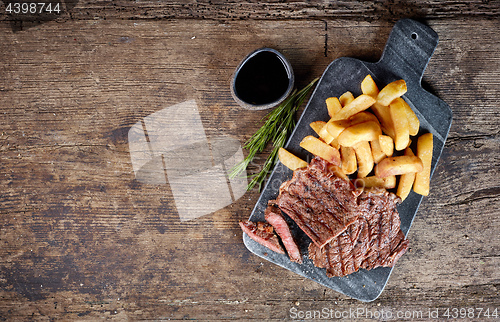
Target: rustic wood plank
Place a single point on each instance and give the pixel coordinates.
(269, 10)
(82, 239)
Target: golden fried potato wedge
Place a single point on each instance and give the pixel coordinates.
(363, 116)
(375, 182)
(360, 103)
(400, 122)
(405, 180)
(425, 144)
(377, 152)
(390, 182)
(346, 98)
(384, 116)
(325, 136)
(386, 144)
(398, 165)
(320, 128)
(413, 122)
(368, 182)
(333, 105)
(321, 149)
(334, 128)
(405, 183)
(317, 126)
(349, 163)
(366, 131)
(335, 143)
(290, 160)
(364, 158)
(369, 87)
(391, 91)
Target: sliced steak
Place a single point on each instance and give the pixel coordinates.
(262, 233)
(374, 239)
(321, 204)
(277, 220)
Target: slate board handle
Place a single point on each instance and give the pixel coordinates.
(409, 49)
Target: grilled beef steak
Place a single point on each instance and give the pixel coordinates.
(276, 219)
(321, 204)
(374, 239)
(350, 229)
(263, 233)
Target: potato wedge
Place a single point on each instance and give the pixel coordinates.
(368, 182)
(375, 182)
(320, 129)
(366, 131)
(333, 105)
(391, 91)
(363, 116)
(377, 152)
(334, 128)
(386, 144)
(360, 103)
(390, 182)
(325, 136)
(400, 122)
(425, 144)
(405, 180)
(349, 163)
(405, 183)
(317, 126)
(369, 87)
(364, 158)
(398, 165)
(335, 143)
(290, 160)
(346, 98)
(321, 149)
(413, 122)
(384, 116)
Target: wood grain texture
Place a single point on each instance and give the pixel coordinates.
(81, 239)
(275, 10)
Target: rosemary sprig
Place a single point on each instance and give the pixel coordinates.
(277, 127)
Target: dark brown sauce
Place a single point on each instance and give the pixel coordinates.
(262, 79)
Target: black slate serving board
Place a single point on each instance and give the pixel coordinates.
(406, 55)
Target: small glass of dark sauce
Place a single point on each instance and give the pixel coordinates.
(263, 80)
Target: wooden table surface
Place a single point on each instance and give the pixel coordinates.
(82, 239)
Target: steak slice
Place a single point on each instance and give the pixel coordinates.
(277, 220)
(374, 239)
(388, 242)
(262, 233)
(321, 204)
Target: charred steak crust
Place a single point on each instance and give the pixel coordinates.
(350, 229)
(321, 204)
(277, 220)
(262, 233)
(374, 239)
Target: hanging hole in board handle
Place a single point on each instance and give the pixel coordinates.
(414, 36)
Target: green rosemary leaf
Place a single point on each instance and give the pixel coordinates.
(277, 126)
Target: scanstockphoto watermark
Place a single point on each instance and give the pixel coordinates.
(356, 313)
(386, 314)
